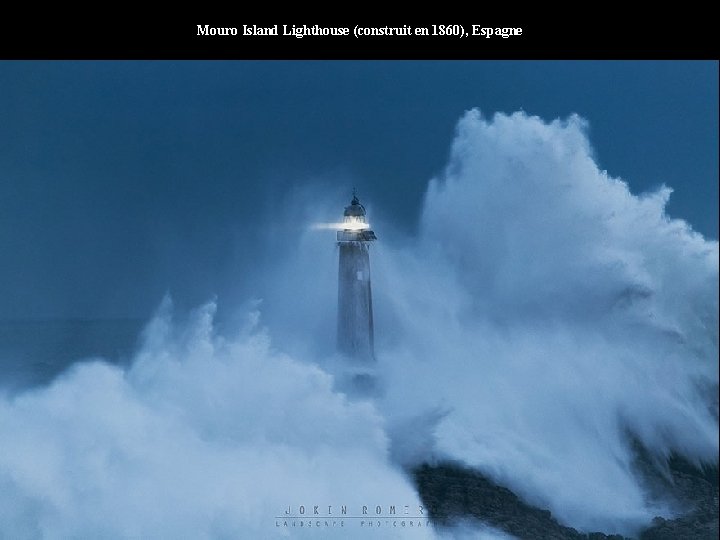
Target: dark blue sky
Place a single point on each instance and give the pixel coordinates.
(122, 180)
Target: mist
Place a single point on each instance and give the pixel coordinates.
(540, 316)
(550, 313)
(202, 437)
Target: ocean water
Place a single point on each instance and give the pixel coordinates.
(527, 350)
(33, 352)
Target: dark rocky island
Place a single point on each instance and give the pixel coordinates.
(453, 492)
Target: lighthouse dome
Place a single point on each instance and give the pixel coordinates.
(355, 209)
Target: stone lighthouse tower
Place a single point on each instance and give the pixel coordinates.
(355, 314)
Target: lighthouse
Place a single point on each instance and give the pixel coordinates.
(355, 313)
